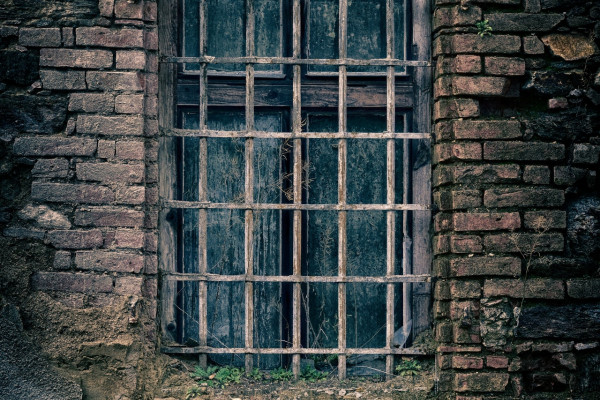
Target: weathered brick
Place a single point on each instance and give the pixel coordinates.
(588, 288)
(128, 239)
(480, 86)
(465, 289)
(497, 362)
(531, 288)
(523, 151)
(455, 16)
(131, 195)
(558, 103)
(54, 146)
(101, 80)
(129, 104)
(67, 36)
(128, 9)
(129, 286)
(536, 174)
(466, 244)
(108, 172)
(101, 216)
(443, 332)
(510, 66)
(568, 175)
(487, 129)
(40, 37)
(455, 108)
(106, 149)
(544, 220)
(106, 7)
(551, 347)
(76, 58)
(480, 266)
(586, 153)
(151, 242)
(467, 64)
(62, 80)
(67, 282)
(524, 242)
(475, 44)
(532, 45)
(105, 37)
(131, 59)
(456, 151)
(523, 197)
(24, 233)
(50, 168)
(486, 221)
(486, 173)
(464, 362)
(71, 193)
(75, 240)
(523, 22)
(130, 150)
(110, 125)
(92, 102)
(62, 260)
(466, 310)
(98, 260)
(481, 382)
(151, 39)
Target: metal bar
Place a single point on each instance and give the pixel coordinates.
(296, 206)
(391, 188)
(174, 276)
(298, 61)
(292, 135)
(342, 157)
(243, 350)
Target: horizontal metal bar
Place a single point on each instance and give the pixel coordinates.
(211, 133)
(296, 278)
(242, 350)
(296, 61)
(295, 206)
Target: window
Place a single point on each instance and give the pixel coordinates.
(294, 179)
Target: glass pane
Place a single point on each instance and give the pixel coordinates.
(321, 302)
(267, 36)
(267, 322)
(226, 320)
(365, 305)
(366, 32)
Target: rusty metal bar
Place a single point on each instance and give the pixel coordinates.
(384, 62)
(391, 188)
(296, 279)
(243, 350)
(292, 135)
(295, 206)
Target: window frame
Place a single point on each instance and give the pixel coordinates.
(417, 284)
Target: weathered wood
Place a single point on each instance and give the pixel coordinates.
(299, 206)
(383, 62)
(298, 279)
(290, 350)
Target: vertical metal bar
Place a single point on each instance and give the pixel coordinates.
(297, 186)
(391, 188)
(249, 190)
(342, 156)
(202, 191)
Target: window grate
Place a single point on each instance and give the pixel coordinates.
(392, 206)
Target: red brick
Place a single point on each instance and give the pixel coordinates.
(106, 7)
(68, 36)
(149, 11)
(480, 266)
(455, 108)
(75, 58)
(130, 195)
(475, 44)
(532, 288)
(480, 86)
(151, 264)
(99, 260)
(54, 146)
(71, 193)
(130, 150)
(50, 168)
(151, 40)
(40, 37)
(486, 129)
(129, 9)
(506, 66)
(75, 240)
(131, 59)
(588, 288)
(552, 347)
(104, 37)
(129, 286)
(463, 362)
(109, 172)
(525, 243)
(466, 334)
(456, 151)
(110, 125)
(101, 80)
(67, 282)
(458, 349)
(92, 102)
(486, 221)
(481, 382)
(544, 220)
(523, 151)
(106, 149)
(62, 80)
(457, 199)
(466, 244)
(101, 216)
(128, 239)
(523, 197)
(467, 64)
(465, 289)
(455, 16)
(151, 242)
(496, 362)
(486, 173)
(523, 22)
(441, 290)
(536, 174)
(129, 104)
(532, 45)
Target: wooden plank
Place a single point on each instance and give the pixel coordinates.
(296, 60)
(296, 206)
(299, 279)
(290, 350)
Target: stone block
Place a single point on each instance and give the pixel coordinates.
(109, 172)
(523, 22)
(523, 197)
(531, 288)
(40, 37)
(127, 81)
(62, 80)
(92, 102)
(105, 37)
(487, 129)
(54, 146)
(486, 221)
(110, 125)
(115, 217)
(112, 261)
(71, 193)
(482, 266)
(509, 66)
(523, 151)
(68, 282)
(76, 58)
(75, 240)
(50, 168)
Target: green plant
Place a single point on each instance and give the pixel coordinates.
(255, 374)
(484, 28)
(194, 392)
(310, 374)
(408, 368)
(281, 375)
(215, 376)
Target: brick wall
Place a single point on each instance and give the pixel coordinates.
(516, 229)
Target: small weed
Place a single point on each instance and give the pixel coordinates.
(484, 28)
(255, 375)
(310, 374)
(215, 376)
(281, 375)
(194, 392)
(408, 367)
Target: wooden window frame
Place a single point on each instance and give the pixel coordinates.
(415, 96)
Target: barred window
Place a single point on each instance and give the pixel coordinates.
(294, 180)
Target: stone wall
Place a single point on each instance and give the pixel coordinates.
(517, 228)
